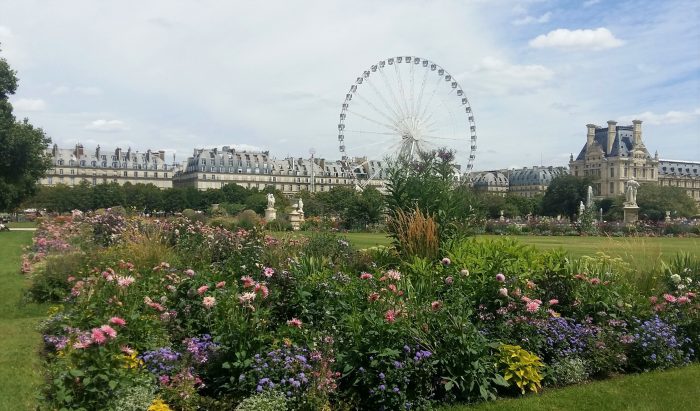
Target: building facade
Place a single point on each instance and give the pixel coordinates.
(526, 181)
(684, 174)
(214, 168)
(72, 166)
(612, 156)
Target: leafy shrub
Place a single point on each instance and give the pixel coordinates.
(567, 371)
(135, 398)
(656, 345)
(520, 367)
(266, 401)
(50, 279)
(248, 219)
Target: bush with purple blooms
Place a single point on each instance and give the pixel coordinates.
(563, 337)
(656, 344)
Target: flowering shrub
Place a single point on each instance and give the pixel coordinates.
(175, 314)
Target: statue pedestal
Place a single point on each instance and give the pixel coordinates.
(270, 214)
(296, 219)
(631, 213)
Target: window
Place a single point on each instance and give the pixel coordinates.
(72, 171)
(145, 173)
(136, 173)
(126, 174)
(155, 174)
(60, 171)
(50, 180)
(166, 175)
(612, 173)
(612, 188)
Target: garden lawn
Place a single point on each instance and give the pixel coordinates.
(19, 363)
(23, 224)
(677, 389)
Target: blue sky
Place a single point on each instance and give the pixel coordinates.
(176, 75)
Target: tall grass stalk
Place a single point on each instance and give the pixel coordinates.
(415, 233)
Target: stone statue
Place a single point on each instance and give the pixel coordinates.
(631, 192)
(581, 208)
(270, 200)
(300, 206)
(589, 197)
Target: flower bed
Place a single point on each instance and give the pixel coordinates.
(179, 315)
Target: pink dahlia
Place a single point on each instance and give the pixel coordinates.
(446, 261)
(683, 299)
(532, 306)
(203, 289)
(98, 336)
(189, 272)
(436, 305)
(268, 272)
(373, 297)
(500, 277)
(669, 298)
(209, 302)
(248, 281)
(653, 299)
(595, 281)
(553, 301)
(393, 275)
(366, 276)
(221, 284)
(109, 331)
(117, 321)
(449, 280)
(390, 316)
(294, 322)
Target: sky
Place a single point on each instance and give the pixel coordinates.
(178, 75)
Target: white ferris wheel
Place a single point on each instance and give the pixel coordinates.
(398, 108)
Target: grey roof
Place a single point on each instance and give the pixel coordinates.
(99, 158)
(679, 168)
(622, 145)
(535, 175)
(491, 178)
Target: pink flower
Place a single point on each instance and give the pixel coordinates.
(247, 281)
(189, 272)
(553, 301)
(246, 298)
(683, 299)
(449, 280)
(532, 306)
(446, 261)
(126, 349)
(366, 276)
(203, 289)
(595, 280)
(125, 281)
(393, 275)
(209, 302)
(653, 299)
(221, 284)
(390, 316)
(373, 297)
(503, 292)
(294, 322)
(268, 272)
(262, 289)
(70, 279)
(500, 277)
(98, 336)
(669, 298)
(436, 305)
(690, 295)
(117, 321)
(109, 331)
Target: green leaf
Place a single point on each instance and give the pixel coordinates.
(76, 372)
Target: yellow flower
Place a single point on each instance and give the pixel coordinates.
(159, 405)
(54, 309)
(132, 361)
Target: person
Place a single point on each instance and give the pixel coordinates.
(631, 192)
(270, 200)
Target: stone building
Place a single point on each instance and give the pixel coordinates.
(214, 168)
(533, 181)
(613, 155)
(494, 182)
(684, 174)
(71, 166)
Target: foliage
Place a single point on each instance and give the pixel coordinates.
(521, 367)
(654, 200)
(564, 194)
(414, 233)
(266, 401)
(567, 371)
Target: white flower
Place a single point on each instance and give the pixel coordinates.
(676, 278)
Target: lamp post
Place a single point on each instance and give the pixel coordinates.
(312, 151)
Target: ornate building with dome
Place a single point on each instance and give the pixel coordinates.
(526, 181)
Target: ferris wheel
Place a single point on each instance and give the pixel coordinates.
(398, 108)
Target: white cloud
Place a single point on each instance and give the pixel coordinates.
(589, 3)
(533, 20)
(671, 117)
(29, 104)
(500, 77)
(107, 125)
(597, 39)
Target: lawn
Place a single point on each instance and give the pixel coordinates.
(19, 364)
(23, 224)
(676, 389)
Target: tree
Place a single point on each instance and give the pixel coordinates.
(23, 157)
(564, 195)
(654, 200)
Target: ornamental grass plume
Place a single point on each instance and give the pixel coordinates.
(415, 233)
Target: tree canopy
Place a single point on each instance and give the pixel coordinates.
(23, 158)
(564, 195)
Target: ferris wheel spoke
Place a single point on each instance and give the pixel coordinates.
(372, 132)
(403, 93)
(382, 98)
(391, 91)
(380, 112)
(420, 95)
(441, 138)
(411, 111)
(430, 99)
(379, 123)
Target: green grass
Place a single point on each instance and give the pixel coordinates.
(20, 367)
(677, 389)
(23, 224)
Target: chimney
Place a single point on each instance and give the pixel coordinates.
(78, 150)
(637, 132)
(590, 137)
(611, 135)
(161, 154)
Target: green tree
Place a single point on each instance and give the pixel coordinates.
(23, 158)
(654, 200)
(564, 195)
